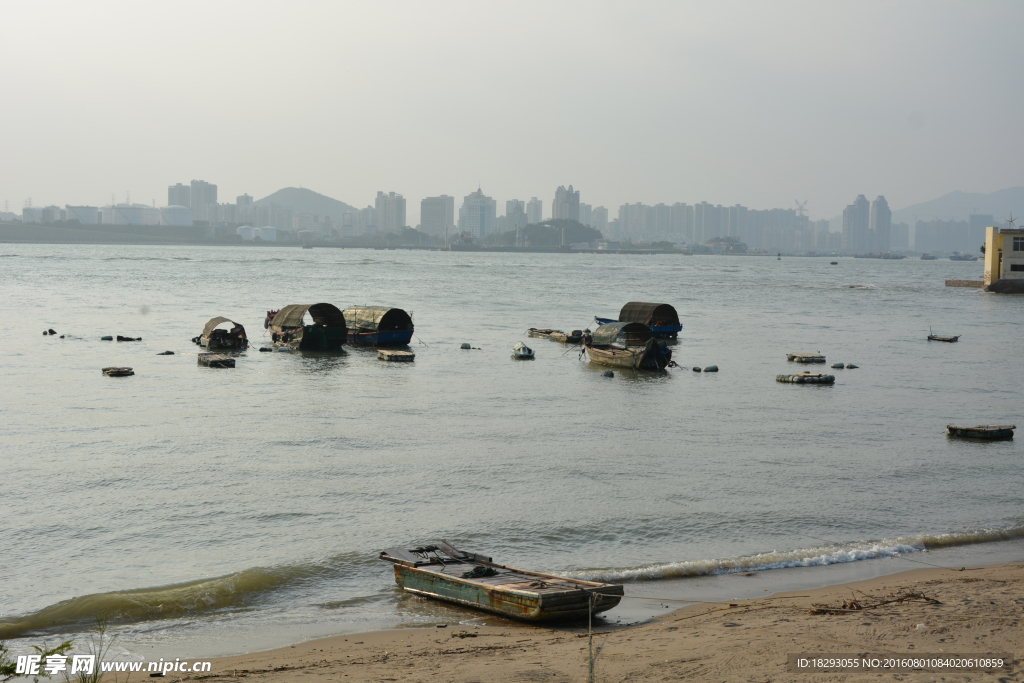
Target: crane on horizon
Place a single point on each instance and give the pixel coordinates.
(801, 207)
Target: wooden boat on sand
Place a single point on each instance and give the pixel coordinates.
(289, 330)
(627, 345)
(574, 337)
(443, 572)
(985, 432)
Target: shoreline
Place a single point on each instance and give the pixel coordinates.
(977, 612)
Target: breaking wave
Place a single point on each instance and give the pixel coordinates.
(806, 557)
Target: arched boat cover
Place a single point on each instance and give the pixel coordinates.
(377, 318)
(327, 315)
(210, 326)
(636, 334)
(649, 314)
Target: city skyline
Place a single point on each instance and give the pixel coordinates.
(618, 121)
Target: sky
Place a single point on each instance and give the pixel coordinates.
(757, 103)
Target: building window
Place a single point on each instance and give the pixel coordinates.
(1017, 267)
(1018, 243)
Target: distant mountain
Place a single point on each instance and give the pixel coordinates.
(956, 206)
(302, 199)
(959, 205)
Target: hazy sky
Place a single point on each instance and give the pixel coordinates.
(756, 103)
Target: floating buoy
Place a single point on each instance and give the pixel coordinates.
(266, 349)
(166, 353)
(711, 368)
(851, 366)
(107, 338)
(607, 373)
(465, 346)
(696, 368)
(838, 366)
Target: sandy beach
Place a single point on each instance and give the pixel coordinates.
(970, 611)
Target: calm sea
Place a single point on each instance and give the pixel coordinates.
(216, 511)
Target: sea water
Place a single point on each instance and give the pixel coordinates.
(214, 511)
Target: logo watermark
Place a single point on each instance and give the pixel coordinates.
(36, 665)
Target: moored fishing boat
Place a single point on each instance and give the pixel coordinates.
(626, 345)
(288, 328)
(378, 325)
(984, 432)
(661, 318)
(216, 337)
(443, 572)
(522, 352)
(574, 337)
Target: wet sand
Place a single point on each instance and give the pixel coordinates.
(970, 611)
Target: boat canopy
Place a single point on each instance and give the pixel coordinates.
(210, 326)
(377, 318)
(636, 334)
(327, 315)
(661, 315)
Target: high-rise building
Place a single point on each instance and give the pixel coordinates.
(585, 211)
(899, 237)
(534, 211)
(515, 215)
(880, 226)
(856, 220)
(203, 196)
(179, 195)
(437, 214)
(476, 216)
(599, 219)
(678, 214)
(662, 220)
(244, 209)
(566, 204)
(390, 211)
(736, 220)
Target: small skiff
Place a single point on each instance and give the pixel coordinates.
(444, 573)
(986, 432)
(522, 352)
(574, 337)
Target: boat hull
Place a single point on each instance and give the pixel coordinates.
(999, 433)
(522, 605)
(223, 344)
(386, 338)
(312, 338)
(638, 358)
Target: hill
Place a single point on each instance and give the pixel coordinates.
(956, 206)
(959, 205)
(308, 201)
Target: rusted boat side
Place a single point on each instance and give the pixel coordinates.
(476, 581)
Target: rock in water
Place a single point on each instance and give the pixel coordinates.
(838, 366)
(465, 346)
(711, 368)
(166, 353)
(608, 373)
(696, 368)
(266, 349)
(107, 338)
(851, 366)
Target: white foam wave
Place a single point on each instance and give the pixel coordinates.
(804, 557)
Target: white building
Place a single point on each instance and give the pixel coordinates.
(246, 231)
(515, 215)
(266, 233)
(203, 197)
(437, 214)
(390, 211)
(534, 211)
(477, 214)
